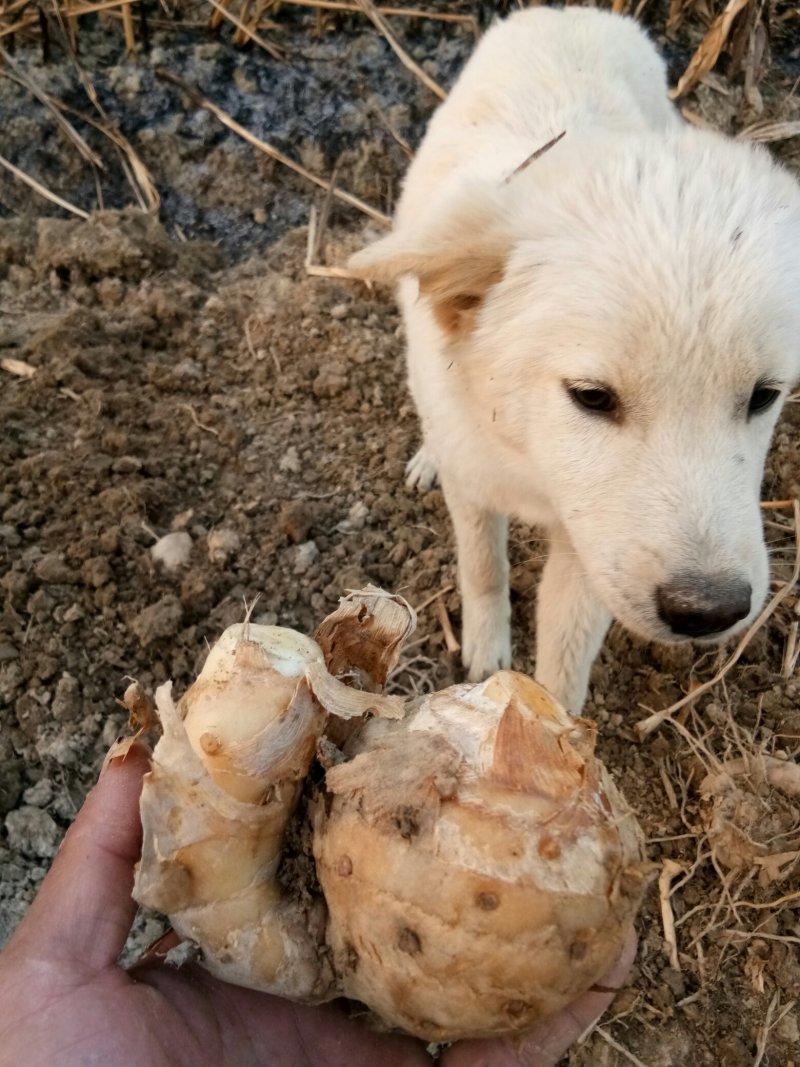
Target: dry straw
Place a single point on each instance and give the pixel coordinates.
(738, 29)
(27, 18)
(263, 146)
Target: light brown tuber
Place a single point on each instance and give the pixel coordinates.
(479, 867)
(227, 774)
(474, 867)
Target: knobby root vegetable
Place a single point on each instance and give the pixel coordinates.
(226, 777)
(479, 866)
(475, 868)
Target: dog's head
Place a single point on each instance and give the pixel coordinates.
(627, 319)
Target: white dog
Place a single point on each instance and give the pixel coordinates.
(600, 341)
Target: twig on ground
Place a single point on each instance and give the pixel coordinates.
(215, 21)
(401, 12)
(790, 652)
(749, 935)
(200, 425)
(669, 789)
(66, 127)
(113, 6)
(763, 1036)
(37, 187)
(200, 101)
(434, 596)
(709, 49)
(419, 678)
(669, 870)
(251, 348)
(318, 224)
(383, 27)
(629, 1056)
(787, 898)
(311, 238)
(250, 34)
(318, 270)
(127, 27)
(138, 175)
(450, 639)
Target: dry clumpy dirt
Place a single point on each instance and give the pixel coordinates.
(190, 376)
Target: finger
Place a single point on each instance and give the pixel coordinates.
(84, 909)
(546, 1044)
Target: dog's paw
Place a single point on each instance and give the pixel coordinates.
(421, 472)
(486, 658)
(487, 642)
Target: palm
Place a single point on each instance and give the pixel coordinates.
(167, 1017)
(64, 999)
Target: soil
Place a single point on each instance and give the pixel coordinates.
(190, 376)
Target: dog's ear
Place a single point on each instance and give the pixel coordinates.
(458, 251)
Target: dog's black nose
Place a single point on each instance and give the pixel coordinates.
(698, 606)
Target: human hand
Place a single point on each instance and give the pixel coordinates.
(65, 1000)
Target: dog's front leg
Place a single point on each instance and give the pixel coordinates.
(481, 540)
(570, 625)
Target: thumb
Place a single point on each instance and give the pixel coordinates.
(84, 910)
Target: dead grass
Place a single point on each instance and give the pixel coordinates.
(738, 30)
(745, 818)
(740, 802)
(737, 795)
(248, 18)
(200, 101)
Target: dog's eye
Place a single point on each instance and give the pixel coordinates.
(763, 397)
(594, 398)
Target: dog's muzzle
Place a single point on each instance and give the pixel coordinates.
(697, 605)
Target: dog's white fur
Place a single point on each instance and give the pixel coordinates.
(660, 260)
